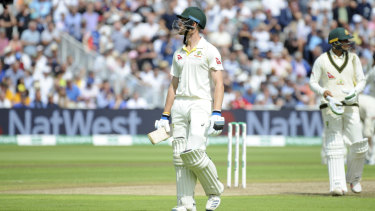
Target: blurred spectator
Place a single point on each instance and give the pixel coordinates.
(364, 8)
(137, 102)
(300, 65)
(63, 100)
(240, 102)
(15, 72)
(169, 16)
(24, 101)
(21, 96)
(30, 38)
(4, 102)
(50, 103)
(7, 21)
(72, 90)
(250, 96)
(23, 18)
(49, 37)
(220, 38)
(16, 43)
(37, 102)
(90, 17)
(341, 13)
(117, 103)
(45, 82)
(105, 96)
(73, 23)
(3, 41)
(120, 38)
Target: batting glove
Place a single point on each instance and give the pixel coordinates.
(163, 122)
(351, 97)
(335, 105)
(216, 124)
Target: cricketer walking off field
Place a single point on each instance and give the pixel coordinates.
(337, 76)
(194, 102)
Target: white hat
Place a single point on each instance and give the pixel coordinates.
(46, 69)
(7, 49)
(136, 17)
(357, 18)
(39, 48)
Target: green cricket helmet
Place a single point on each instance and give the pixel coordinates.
(194, 14)
(339, 34)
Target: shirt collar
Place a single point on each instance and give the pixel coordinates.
(337, 57)
(199, 46)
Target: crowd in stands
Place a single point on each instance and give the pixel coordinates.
(268, 48)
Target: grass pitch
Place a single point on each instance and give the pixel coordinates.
(25, 172)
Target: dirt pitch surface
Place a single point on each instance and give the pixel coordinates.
(252, 189)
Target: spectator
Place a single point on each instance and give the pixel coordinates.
(30, 39)
(15, 72)
(50, 103)
(364, 8)
(37, 102)
(4, 41)
(49, 37)
(341, 13)
(240, 102)
(118, 103)
(221, 38)
(137, 102)
(24, 101)
(16, 43)
(120, 38)
(300, 66)
(249, 95)
(72, 90)
(73, 23)
(23, 18)
(105, 96)
(91, 18)
(46, 82)
(7, 21)
(21, 97)
(4, 102)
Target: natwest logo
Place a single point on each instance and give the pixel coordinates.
(179, 57)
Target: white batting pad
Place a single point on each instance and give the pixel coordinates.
(335, 150)
(336, 171)
(356, 160)
(185, 178)
(204, 169)
(185, 182)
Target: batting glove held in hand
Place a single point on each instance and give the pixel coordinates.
(163, 122)
(335, 105)
(351, 97)
(216, 124)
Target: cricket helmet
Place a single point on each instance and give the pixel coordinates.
(195, 14)
(337, 36)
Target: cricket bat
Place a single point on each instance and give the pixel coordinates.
(158, 135)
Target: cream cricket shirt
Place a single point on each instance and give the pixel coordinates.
(193, 70)
(337, 74)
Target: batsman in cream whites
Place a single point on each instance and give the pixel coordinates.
(194, 101)
(337, 76)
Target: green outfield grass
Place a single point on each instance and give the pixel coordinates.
(35, 168)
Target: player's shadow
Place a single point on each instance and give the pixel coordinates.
(308, 194)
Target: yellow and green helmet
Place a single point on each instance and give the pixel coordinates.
(338, 34)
